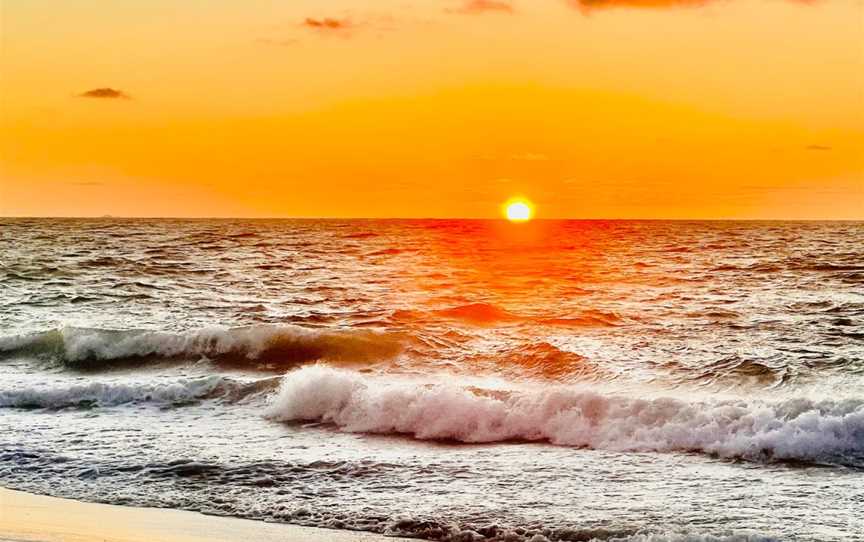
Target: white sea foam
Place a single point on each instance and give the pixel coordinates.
(792, 429)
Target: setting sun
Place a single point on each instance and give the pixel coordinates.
(518, 210)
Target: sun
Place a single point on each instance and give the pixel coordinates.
(518, 210)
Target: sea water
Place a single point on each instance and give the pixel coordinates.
(443, 379)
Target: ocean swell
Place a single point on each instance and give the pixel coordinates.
(789, 430)
(265, 346)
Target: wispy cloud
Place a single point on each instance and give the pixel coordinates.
(818, 148)
(345, 26)
(105, 93)
(477, 7)
(587, 5)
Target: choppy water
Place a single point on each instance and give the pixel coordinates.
(450, 380)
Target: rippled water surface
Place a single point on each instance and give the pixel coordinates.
(450, 380)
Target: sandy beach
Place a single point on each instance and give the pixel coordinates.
(32, 518)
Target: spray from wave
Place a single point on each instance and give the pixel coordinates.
(268, 346)
(794, 429)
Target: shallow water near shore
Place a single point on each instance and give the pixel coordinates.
(448, 380)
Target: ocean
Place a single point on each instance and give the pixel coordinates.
(460, 380)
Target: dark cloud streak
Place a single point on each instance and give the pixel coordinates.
(105, 93)
(328, 24)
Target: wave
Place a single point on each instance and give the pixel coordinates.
(789, 430)
(387, 252)
(450, 532)
(683, 537)
(260, 346)
(483, 314)
(539, 360)
(735, 370)
(587, 318)
(106, 394)
(480, 313)
(794, 264)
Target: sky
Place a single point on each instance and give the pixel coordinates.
(432, 108)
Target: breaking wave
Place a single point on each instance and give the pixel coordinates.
(788, 430)
(105, 394)
(259, 346)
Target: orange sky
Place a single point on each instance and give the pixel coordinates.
(433, 108)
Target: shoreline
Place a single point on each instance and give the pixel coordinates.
(25, 517)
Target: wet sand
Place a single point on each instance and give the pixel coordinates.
(34, 518)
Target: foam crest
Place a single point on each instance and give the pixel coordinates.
(280, 345)
(793, 429)
(105, 394)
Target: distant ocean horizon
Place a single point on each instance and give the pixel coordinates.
(479, 218)
(444, 379)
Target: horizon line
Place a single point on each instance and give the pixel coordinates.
(394, 218)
